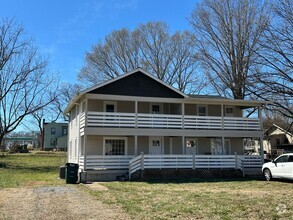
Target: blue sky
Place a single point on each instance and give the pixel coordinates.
(64, 30)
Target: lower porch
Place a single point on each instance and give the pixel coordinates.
(146, 165)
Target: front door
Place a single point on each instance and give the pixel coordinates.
(156, 145)
(227, 147)
(191, 146)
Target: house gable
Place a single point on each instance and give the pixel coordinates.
(137, 84)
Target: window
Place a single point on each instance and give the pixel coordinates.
(282, 159)
(53, 130)
(115, 146)
(156, 143)
(110, 106)
(191, 146)
(229, 111)
(202, 110)
(155, 109)
(53, 142)
(64, 131)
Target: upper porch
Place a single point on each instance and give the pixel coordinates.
(199, 114)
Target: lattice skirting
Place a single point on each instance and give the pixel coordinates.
(157, 174)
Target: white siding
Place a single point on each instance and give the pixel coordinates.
(73, 135)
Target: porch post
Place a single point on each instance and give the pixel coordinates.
(171, 145)
(260, 118)
(183, 113)
(142, 161)
(86, 111)
(261, 149)
(236, 160)
(222, 115)
(183, 144)
(136, 113)
(84, 152)
(135, 145)
(261, 138)
(223, 145)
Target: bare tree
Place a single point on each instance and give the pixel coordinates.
(227, 34)
(171, 58)
(117, 55)
(25, 85)
(157, 50)
(275, 79)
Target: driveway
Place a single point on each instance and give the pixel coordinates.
(54, 202)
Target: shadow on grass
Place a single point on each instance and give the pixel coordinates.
(199, 180)
(35, 169)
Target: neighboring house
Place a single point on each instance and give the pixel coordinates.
(136, 122)
(278, 139)
(55, 136)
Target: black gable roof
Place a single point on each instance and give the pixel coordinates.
(137, 84)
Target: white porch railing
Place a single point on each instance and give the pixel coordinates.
(111, 119)
(99, 162)
(241, 162)
(146, 161)
(82, 120)
(132, 120)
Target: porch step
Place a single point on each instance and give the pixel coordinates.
(103, 175)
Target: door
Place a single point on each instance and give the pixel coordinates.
(156, 145)
(191, 146)
(227, 147)
(288, 168)
(216, 146)
(278, 170)
(229, 111)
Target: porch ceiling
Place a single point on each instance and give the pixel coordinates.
(171, 132)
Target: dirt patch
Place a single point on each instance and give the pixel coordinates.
(54, 202)
(97, 187)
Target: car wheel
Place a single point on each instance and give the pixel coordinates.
(267, 174)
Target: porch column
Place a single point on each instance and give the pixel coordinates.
(261, 138)
(222, 115)
(223, 145)
(260, 118)
(136, 114)
(171, 145)
(183, 113)
(86, 111)
(261, 149)
(183, 144)
(84, 151)
(135, 145)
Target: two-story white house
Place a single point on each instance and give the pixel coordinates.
(136, 122)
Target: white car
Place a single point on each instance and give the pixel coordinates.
(281, 167)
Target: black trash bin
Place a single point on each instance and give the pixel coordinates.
(71, 174)
(62, 170)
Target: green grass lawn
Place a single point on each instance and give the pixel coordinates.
(33, 169)
(234, 199)
(239, 199)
